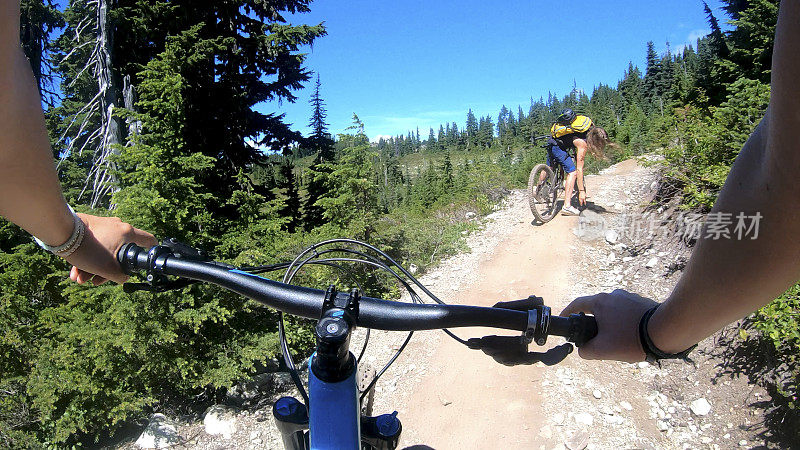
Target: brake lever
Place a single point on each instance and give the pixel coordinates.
(538, 317)
(526, 304)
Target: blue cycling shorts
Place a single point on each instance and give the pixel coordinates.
(556, 154)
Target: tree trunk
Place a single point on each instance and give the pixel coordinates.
(104, 179)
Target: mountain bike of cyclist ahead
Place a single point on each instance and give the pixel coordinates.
(546, 185)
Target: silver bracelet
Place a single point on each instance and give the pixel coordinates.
(74, 241)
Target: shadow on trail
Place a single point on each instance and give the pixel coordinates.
(590, 206)
(594, 207)
(755, 359)
(512, 351)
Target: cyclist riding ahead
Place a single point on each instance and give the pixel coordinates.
(574, 132)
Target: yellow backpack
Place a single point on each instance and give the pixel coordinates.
(581, 124)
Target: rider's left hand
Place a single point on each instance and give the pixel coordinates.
(582, 198)
(96, 259)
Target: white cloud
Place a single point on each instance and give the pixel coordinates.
(691, 39)
(377, 138)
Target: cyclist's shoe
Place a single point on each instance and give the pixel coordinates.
(570, 211)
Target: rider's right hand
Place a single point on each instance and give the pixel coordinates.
(618, 315)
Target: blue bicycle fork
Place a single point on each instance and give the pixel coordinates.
(334, 418)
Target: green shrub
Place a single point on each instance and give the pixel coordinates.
(779, 324)
(701, 161)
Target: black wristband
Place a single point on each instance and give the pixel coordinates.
(651, 351)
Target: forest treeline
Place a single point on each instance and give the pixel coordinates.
(150, 106)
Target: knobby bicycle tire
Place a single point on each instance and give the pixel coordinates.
(366, 372)
(542, 196)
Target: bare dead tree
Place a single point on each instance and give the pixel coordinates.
(98, 127)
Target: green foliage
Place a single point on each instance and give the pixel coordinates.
(29, 286)
(779, 324)
(351, 202)
(39, 19)
(703, 161)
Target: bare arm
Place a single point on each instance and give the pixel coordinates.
(31, 194)
(580, 154)
(727, 279)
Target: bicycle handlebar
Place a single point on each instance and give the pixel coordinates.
(373, 313)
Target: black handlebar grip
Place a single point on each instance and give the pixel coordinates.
(585, 328)
(577, 328)
(132, 258)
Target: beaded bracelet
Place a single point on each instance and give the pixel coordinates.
(74, 241)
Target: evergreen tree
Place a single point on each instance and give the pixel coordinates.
(39, 19)
(717, 37)
(652, 74)
(322, 144)
(488, 132)
(502, 124)
(751, 40)
(471, 129)
(291, 208)
(249, 55)
(447, 172)
(320, 140)
(352, 201)
(631, 87)
(431, 143)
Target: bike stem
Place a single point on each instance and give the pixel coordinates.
(334, 414)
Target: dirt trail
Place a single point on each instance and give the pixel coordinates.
(468, 400)
(464, 399)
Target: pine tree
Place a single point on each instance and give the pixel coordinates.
(502, 124)
(291, 208)
(652, 74)
(320, 140)
(486, 132)
(39, 19)
(321, 143)
(351, 203)
(244, 53)
(431, 144)
(752, 38)
(471, 129)
(454, 134)
(631, 87)
(717, 37)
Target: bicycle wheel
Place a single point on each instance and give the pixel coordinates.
(542, 192)
(366, 372)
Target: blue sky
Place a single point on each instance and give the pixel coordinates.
(405, 64)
